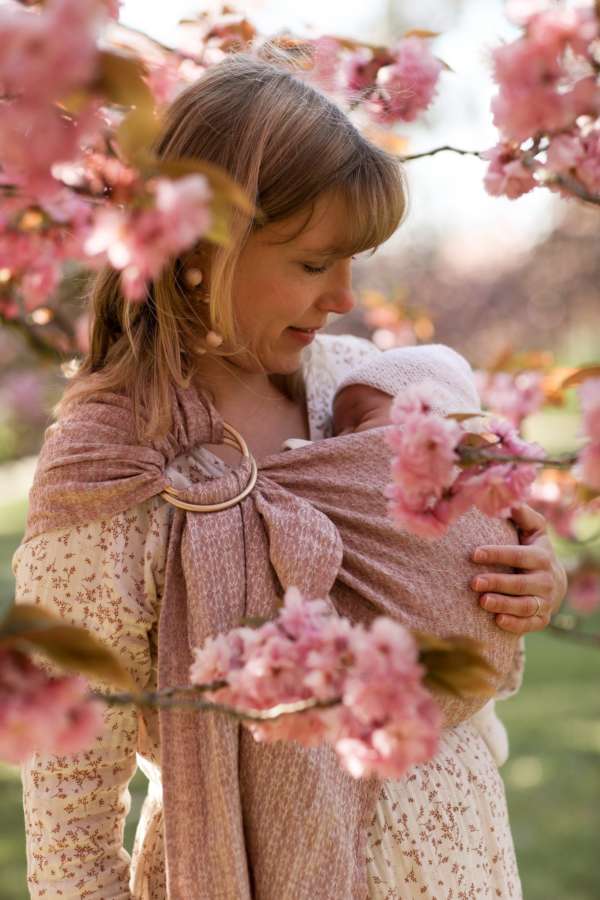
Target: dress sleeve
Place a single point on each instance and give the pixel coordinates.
(106, 577)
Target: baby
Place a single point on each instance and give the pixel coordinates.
(363, 401)
(364, 398)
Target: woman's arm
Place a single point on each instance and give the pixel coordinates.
(101, 577)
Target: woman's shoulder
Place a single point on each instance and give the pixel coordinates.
(128, 549)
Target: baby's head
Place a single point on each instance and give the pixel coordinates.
(364, 398)
(358, 407)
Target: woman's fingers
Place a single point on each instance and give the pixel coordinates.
(523, 601)
(519, 585)
(517, 625)
(528, 521)
(519, 556)
(520, 607)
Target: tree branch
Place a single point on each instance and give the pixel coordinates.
(187, 698)
(441, 150)
(35, 342)
(574, 187)
(473, 457)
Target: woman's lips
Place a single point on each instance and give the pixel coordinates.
(304, 335)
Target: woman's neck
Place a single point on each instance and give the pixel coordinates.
(235, 391)
(254, 406)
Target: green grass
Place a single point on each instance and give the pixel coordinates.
(552, 776)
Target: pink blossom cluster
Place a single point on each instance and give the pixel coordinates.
(576, 153)
(42, 714)
(140, 241)
(385, 720)
(35, 240)
(589, 458)
(554, 495)
(547, 81)
(510, 172)
(437, 475)
(47, 54)
(584, 590)
(406, 88)
(538, 92)
(398, 84)
(514, 396)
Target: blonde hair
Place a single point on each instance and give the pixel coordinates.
(286, 144)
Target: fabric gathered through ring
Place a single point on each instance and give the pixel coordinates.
(232, 438)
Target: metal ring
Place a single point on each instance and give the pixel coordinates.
(232, 438)
(539, 606)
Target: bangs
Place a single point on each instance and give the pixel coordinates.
(375, 199)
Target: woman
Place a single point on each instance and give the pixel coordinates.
(325, 194)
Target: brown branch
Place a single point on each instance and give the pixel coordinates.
(34, 341)
(472, 457)
(440, 150)
(187, 698)
(574, 187)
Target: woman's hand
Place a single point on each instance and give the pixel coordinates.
(523, 601)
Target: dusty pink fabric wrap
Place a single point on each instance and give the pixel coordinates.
(246, 820)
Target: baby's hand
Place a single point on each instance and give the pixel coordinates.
(360, 407)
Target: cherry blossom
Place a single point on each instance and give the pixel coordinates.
(424, 446)
(382, 719)
(425, 499)
(507, 173)
(513, 396)
(554, 495)
(541, 89)
(407, 87)
(47, 53)
(589, 460)
(584, 590)
(140, 242)
(42, 714)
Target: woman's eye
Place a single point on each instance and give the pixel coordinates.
(314, 270)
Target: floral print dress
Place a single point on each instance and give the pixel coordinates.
(439, 833)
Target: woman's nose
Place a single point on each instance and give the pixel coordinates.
(337, 297)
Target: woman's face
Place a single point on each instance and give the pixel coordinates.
(280, 288)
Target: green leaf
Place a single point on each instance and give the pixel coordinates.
(71, 647)
(253, 621)
(463, 416)
(136, 133)
(478, 441)
(221, 182)
(120, 80)
(219, 231)
(421, 33)
(580, 375)
(455, 665)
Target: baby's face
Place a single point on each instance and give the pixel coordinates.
(359, 407)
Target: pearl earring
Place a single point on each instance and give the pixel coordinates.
(214, 339)
(193, 277)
